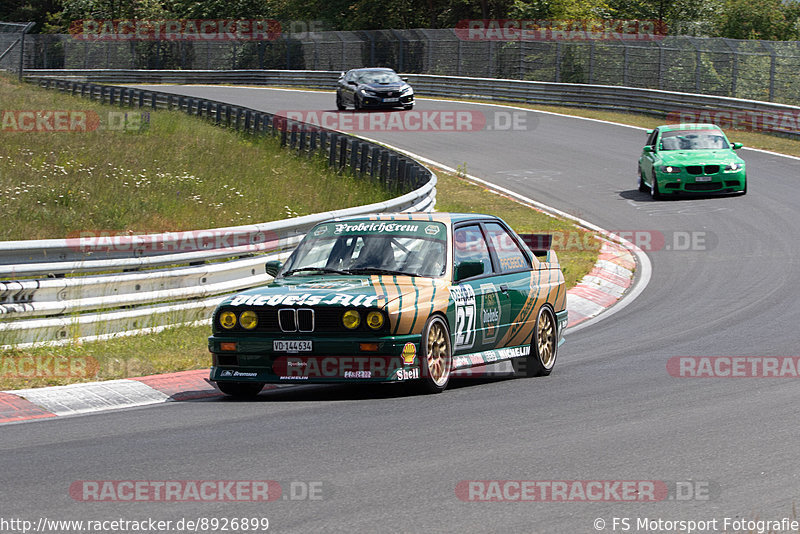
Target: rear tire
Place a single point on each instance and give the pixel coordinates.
(437, 355)
(544, 347)
(240, 390)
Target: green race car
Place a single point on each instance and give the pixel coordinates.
(394, 298)
(690, 158)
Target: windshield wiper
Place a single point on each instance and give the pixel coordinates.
(318, 269)
(376, 270)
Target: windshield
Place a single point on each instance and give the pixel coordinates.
(693, 140)
(413, 248)
(378, 76)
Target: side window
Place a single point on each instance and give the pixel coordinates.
(470, 245)
(651, 140)
(509, 255)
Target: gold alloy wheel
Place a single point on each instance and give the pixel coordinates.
(438, 353)
(546, 338)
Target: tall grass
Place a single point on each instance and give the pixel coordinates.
(180, 173)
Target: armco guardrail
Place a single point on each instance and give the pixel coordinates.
(183, 281)
(615, 98)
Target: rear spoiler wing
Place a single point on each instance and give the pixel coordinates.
(540, 245)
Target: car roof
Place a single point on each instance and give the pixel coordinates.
(373, 69)
(443, 217)
(688, 126)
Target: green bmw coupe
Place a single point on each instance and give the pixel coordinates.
(690, 158)
(394, 298)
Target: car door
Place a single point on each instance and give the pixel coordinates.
(515, 282)
(479, 307)
(348, 89)
(647, 160)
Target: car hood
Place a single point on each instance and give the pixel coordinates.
(384, 86)
(393, 293)
(698, 157)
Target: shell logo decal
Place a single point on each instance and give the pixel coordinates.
(409, 353)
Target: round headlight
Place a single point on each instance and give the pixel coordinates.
(351, 319)
(227, 319)
(375, 320)
(248, 319)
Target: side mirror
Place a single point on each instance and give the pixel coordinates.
(649, 132)
(273, 267)
(648, 148)
(404, 79)
(468, 269)
(342, 75)
(737, 146)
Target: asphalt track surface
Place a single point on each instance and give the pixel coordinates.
(390, 461)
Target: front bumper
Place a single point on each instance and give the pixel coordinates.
(380, 102)
(332, 360)
(684, 183)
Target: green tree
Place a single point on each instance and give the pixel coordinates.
(773, 20)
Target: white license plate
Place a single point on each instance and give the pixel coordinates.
(391, 100)
(703, 179)
(280, 345)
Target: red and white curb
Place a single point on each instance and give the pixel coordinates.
(605, 284)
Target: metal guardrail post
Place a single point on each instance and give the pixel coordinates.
(355, 146)
(373, 162)
(332, 150)
(342, 152)
(364, 160)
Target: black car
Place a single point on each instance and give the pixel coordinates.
(373, 88)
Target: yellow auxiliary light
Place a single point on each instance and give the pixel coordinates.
(248, 319)
(351, 319)
(227, 320)
(375, 320)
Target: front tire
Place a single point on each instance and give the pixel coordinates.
(356, 103)
(408, 107)
(240, 390)
(642, 185)
(654, 192)
(437, 355)
(339, 105)
(544, 347)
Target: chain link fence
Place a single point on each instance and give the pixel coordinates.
(12, 45)
(749, 69)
